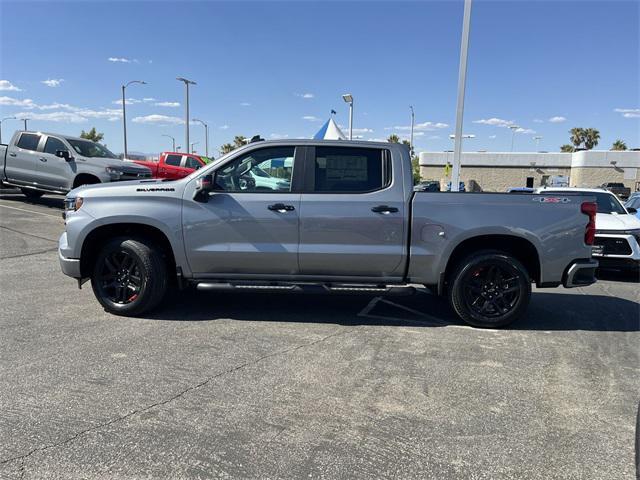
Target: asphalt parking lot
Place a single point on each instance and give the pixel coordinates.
(266, 385)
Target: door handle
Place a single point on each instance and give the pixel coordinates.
(12, 154)
(43, 159)
(384, 209)
(281, 207)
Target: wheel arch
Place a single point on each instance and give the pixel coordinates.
(85, 179)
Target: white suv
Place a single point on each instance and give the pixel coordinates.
(617, 242)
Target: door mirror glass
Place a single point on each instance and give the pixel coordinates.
(64, 154)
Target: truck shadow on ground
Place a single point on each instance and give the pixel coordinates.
(547, 311)
(54, 201)
(627, 276)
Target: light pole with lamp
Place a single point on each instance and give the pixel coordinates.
(25, 119)
(173, 141)
(537, 139)
(124, 112)
(192, 145)
(514, 129)
(5, 118)
(206, 136)
(348, 98)
(186, 105)
(412, 122)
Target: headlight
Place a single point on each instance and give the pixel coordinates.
(73, 204)
(114, 172)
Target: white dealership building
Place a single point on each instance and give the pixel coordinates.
(498, 171)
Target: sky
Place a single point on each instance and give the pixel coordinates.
(278, 69)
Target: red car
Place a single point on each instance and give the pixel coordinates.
(173, 165)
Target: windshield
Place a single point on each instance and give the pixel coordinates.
(87, 148)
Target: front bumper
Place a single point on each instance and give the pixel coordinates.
(580, 274)
(69, 266)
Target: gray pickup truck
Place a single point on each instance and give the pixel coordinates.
(343, 216)
(39, 163)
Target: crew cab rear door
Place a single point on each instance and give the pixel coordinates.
(246, 229)
(23, 158)
(352, 214)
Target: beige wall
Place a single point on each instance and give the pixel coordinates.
(496, 179)
(596, 176)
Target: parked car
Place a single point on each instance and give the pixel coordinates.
(346, 219)
(461, 187)
(428, 186)
(617, 188)
(633, 204)
(40, 163)
(173, 165)
(520, 190)
(617, 242)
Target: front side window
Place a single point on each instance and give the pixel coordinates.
(264, 170)
(53, 145)
(173, 160)
(29, 141)
(349, 170)
(192, 163)
(87, 148)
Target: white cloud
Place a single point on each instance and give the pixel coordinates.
(14, 102)
(224, 127)
(158, 120)
(6, 85)
(148, 99)
(376, 139)
(66, 117)
(424, 126)
(55, 106)
(524, 130)
(496, 122)
(557, 119)
(305, 95)
(127, 101)
(276, 136)
(167, 104)
(119, 60)
(111, 114)
(311, 118)
(628, 112)
(245, 104)
(492, 136)
(53, 82)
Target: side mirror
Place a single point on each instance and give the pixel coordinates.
(632, 210)
(204, 186)
(64, 154)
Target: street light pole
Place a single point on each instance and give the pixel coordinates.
(186, 113)
(513, 134)
(124, 113)
(25, 123)
(537, 139)
(206, 136)
(5, 118)
(412, 122)
(462, 80)
(173, 140)
(347, 97)
(192, 145)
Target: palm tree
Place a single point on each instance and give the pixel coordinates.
(226, 148)
(577, 136)
(591, 137)
(619, 145)
(393, 138)
(239, 141)
(567, 148)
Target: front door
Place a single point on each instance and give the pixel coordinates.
(55, 172)
(246, 227)
(352, 214)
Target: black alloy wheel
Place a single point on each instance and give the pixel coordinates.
(491, 290)
(120, 280)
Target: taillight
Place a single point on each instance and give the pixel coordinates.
(589, 208)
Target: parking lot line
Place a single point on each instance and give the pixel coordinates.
(31, 211)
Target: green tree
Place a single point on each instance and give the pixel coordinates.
(92, 135)
(226, 148)
(577, 136)
(619, 145)
(591, 138)
(239, 141)
(567, 148)
(393, 138)
(415, 168)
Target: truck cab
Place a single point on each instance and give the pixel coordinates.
(39, 162)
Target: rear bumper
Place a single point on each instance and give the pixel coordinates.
(580, 273)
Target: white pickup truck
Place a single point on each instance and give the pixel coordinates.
(39, 163)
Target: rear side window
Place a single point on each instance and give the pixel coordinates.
(173, 160)
(351, 170)
(29, 141)
(53, 145)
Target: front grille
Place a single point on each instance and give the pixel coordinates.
(613, 246)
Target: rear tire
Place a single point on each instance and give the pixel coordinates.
(129, 276)
(489, 289)
(31, 194)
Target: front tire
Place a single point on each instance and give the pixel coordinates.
(129, 277)
(31, 194)
(490, 289)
